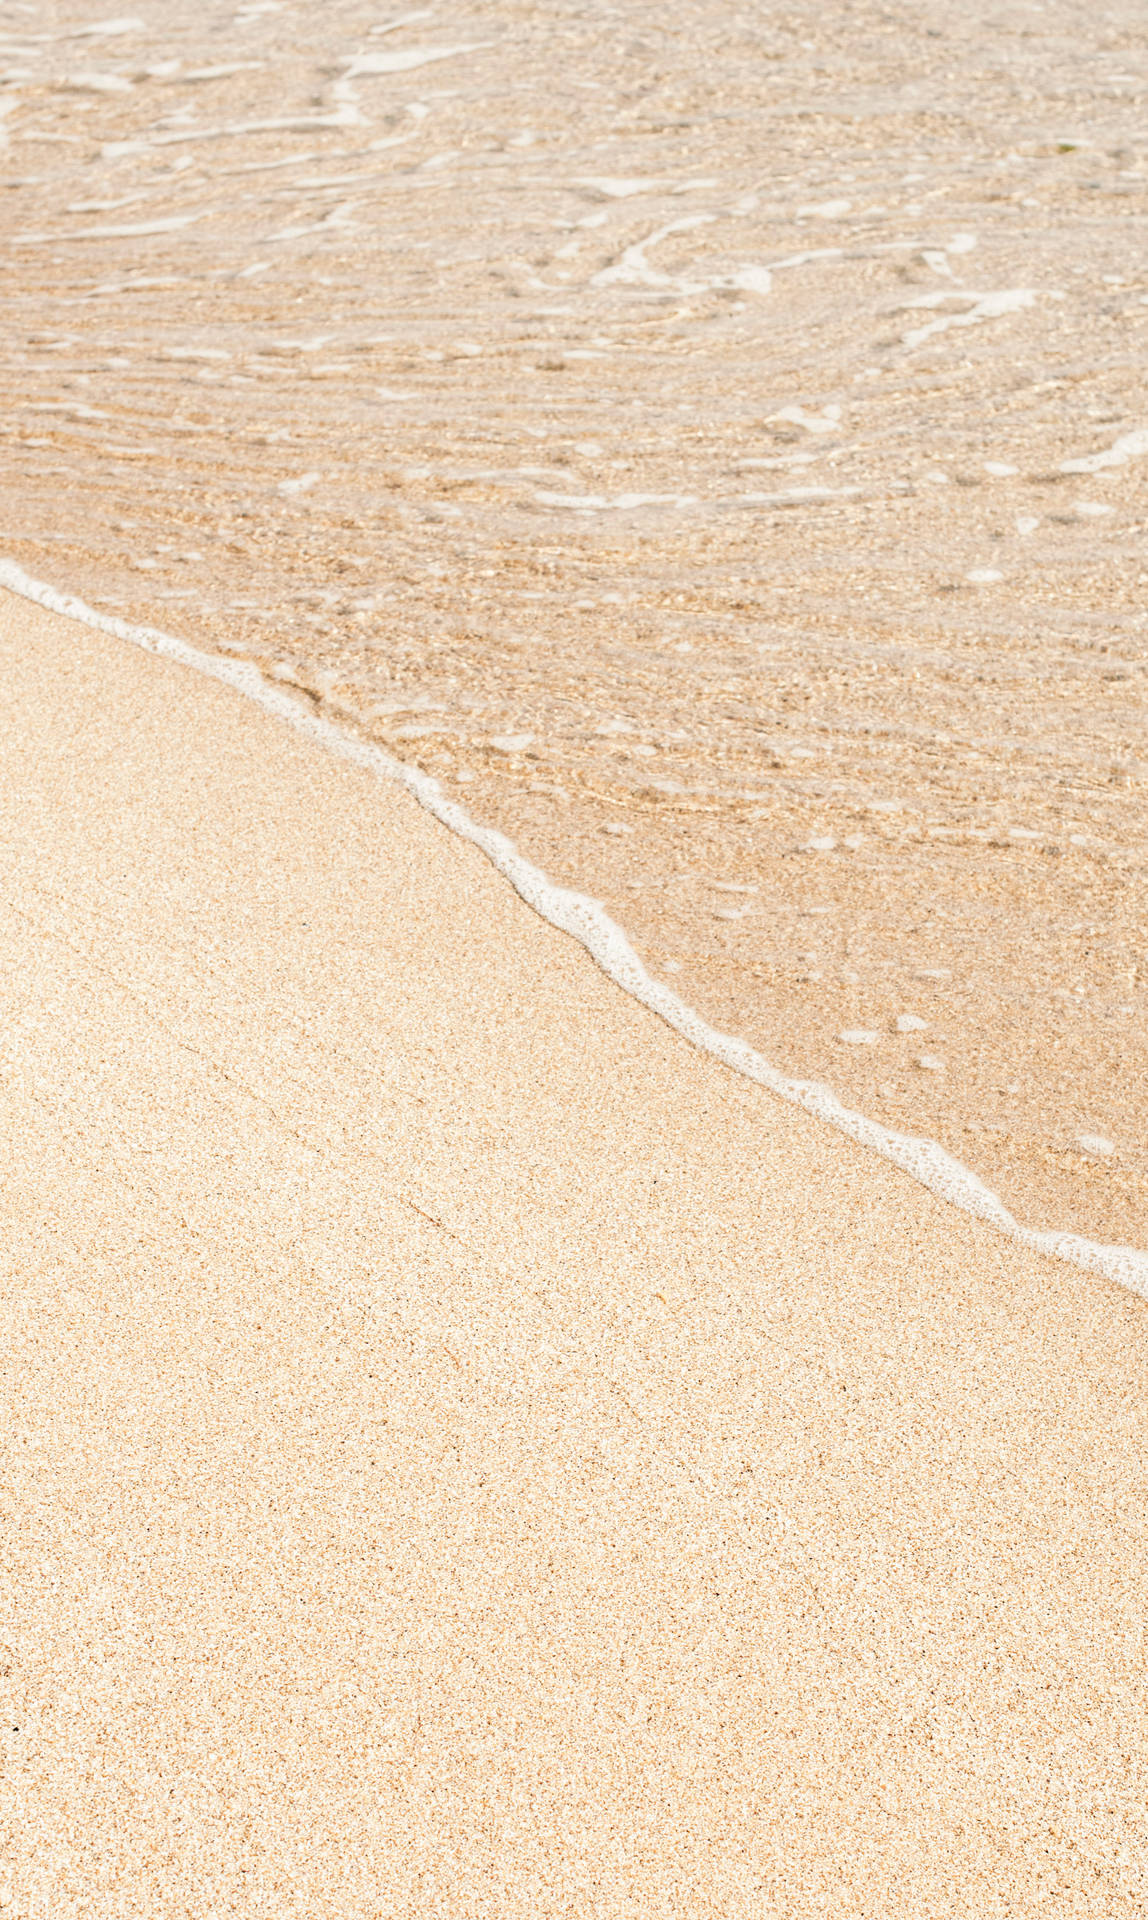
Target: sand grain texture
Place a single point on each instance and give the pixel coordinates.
(468, 1453)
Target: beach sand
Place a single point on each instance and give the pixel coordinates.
(466, 1451)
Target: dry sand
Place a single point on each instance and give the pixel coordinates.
(466, 1452)
(722, 426)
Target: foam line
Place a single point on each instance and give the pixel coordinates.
(140, 230)
(586, 921)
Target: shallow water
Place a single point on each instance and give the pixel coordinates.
(717, 451)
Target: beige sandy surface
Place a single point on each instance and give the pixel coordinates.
(466, 1452)
(711, 438)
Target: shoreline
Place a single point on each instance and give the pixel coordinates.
(585, 921)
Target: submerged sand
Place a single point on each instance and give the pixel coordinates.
(712, 441)
(466, 1451)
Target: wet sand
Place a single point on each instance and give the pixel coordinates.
(713, 446)
(467, 1452)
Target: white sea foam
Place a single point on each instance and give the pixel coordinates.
(95, 83)
(618, 503)
(1130, 446)
(826, 210)
(347, 115)
(984, 306)
(803, 259)
(748, 279)
(633, 269)
(403, 20)
(587, 922)
(70, 409)
(938, 259)
(194, 75)
(139, 230)
(827, 421)
(615, 189)
(777, 462)
(106, 206)
(798, 496)
(109, 29)
(403, 60)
